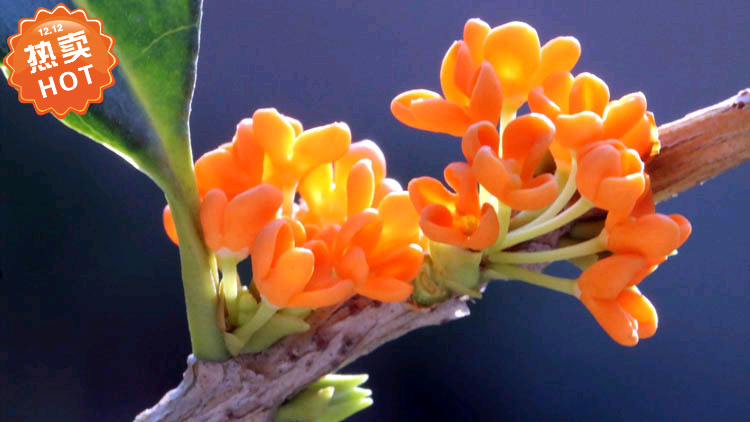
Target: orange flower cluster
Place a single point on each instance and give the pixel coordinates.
(352, 230)
(576, 142)
(639, 243)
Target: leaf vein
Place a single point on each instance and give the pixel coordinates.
(162, 36)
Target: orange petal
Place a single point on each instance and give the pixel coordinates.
(621, 115)
(424, 191)
(654, 236)
(486, 95)
(288, 276)
(655, 143)
(271, 242)
(316, 146)
(639, 137)
(274, 133)
(609, 276)
(436, 222)
(218, 169)
(539, 103)
(643, 206)
(451, 91)
(477, 136)
(316, 188)
(487, 230)
(358, 151)
(493, 173)
(557, 88)
(361, 230)
(402, 263)
(620, 193)
(685, 227)
(212, 218)
(385, 187)
(575, 131)
(620, 325)
(385, 289)
(538, 193)
(247, 213)
(353, 265)
(610, 175)
(400, 222)
(641, 309)
(588, 93)
(169, 226)
(439, 115)
(475, 32)
(248, 152)
(322, 274)
(513, 50)
(557, 55)
(526, 140)
(463, 73)
(360, 188)
(296, 125)
(337, 293)
(401, 106)
(460, 177)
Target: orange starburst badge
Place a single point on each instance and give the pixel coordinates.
(60, 61)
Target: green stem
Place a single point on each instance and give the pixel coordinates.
(582, 206)
(523, 218)
(229, 286)
(558, 284)
(587, 247)
(567, 192)
(503, 217)
(201, 300)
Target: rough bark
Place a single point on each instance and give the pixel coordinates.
(701, 145)
(695, 148)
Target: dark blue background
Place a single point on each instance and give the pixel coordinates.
(93, 324)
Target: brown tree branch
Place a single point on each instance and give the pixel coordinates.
(701, 145)
(695, 148)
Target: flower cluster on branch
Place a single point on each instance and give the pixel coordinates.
(526, 176)
(322, 222)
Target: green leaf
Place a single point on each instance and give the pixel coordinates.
(144, 118)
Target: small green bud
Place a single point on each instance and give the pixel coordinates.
(427, 291)
(332, 398)
(456, 268)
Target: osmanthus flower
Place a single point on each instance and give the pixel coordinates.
(455, 218)
(562, 97)
(485, 75)
(230, 227)
(332, 192)
(610, 175)
(512, 178)
(290, 152)
(608, 291)
(607, 288)
(290, 271)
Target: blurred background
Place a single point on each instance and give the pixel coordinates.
(93, 324)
